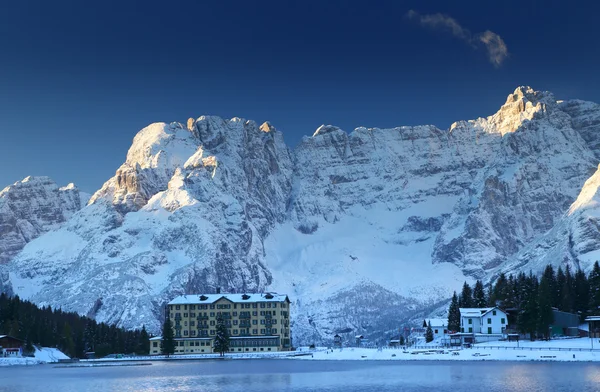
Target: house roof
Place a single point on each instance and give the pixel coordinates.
(593, 318)
(437, 322)
(476, 312)
(235, 298)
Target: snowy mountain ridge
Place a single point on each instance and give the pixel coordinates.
(361, 230)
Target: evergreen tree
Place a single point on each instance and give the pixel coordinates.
(454, 314)
(581, 292)
(568, 292)
(479, 300)
(168, 341)
(560, 286)
(429, 333)
(498, 292)
(594, 285)
(221, 342)
(466, 297)
(545, 315)
(143, 346)
(424, 323)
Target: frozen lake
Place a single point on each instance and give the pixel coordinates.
(293, 375)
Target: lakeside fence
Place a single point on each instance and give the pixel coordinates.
(537, 348)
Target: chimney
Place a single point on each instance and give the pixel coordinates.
(218, 290)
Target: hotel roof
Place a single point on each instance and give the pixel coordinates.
(235, 298)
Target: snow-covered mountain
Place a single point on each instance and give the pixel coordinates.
(361, 230)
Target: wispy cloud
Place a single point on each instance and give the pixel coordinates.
(494, 45)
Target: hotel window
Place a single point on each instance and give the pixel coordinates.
(470, 321)
(192, 307)
(494, 312)
(255, 306)
(262, 305)
(254, 313)
(254, 322)
(489, 321)
(502, 321)
(185, 333)
(184, 307)
(274, 330)
(235, 322)
(262, 331)
(254, 331)
(268, 305)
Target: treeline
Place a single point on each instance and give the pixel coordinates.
(71, 333)
(529, 299)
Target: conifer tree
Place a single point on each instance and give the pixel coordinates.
(560, 286)
(454, 314)
(498, 292)
(168, 341)
(594, 285)
(479, 300)
(143, 346)
(466, 297)
(545, 317)
(429, 333)
(221, 342)
(581, 291)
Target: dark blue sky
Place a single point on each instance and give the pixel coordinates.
(79, 79)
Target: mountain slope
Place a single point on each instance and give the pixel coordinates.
(362, 230)
(31, 207)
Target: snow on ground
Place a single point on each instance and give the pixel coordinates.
(48, 354)
(572, 350)
(42, 355)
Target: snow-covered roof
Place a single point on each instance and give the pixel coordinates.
(156, 338)
(437, 322)
(476, 312)
(1, 336)
(236, 298)
(593, 318)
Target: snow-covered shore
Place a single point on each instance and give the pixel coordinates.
(569, 350)
(42, 355)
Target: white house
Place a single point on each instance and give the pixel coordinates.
(489, 321)
(439, 327)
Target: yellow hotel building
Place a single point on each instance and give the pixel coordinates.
(256, 322)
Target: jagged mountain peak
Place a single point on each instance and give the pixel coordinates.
(325, 129)
(415, 211)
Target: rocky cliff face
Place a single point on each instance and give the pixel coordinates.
(31, 207)
(362, 230)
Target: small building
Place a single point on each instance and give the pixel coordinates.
(593, 326)
(564, 324)
(359, 340)
(491, 321)
(482, 324)
(394, 343)
(439, 327)
(337, 341)
(10, 346)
